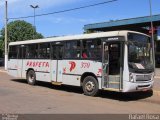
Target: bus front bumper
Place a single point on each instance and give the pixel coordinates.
(133, 87)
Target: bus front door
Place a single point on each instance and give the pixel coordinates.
(56, 64)
(112, 54)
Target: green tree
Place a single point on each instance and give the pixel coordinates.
(18, 30)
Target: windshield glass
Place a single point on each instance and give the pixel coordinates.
(140, 56)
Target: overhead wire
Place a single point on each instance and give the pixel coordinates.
(62, 11)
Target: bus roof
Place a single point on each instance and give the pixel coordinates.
(76, 37)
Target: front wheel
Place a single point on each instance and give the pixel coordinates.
(31, 77)
(90, 86)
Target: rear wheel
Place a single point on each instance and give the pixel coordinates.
(31, 77)
(90, 86)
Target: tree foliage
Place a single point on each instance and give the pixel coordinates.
(1, 48)
(18, 30)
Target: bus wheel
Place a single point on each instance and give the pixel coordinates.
(90, 86)
(31, 77)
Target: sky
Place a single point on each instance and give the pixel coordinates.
(71, 23)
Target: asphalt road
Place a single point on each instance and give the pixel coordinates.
(16, 96)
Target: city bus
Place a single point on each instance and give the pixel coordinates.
(120, 61)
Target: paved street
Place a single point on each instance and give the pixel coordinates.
(16, 96)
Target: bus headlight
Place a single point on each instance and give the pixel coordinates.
(131, 78)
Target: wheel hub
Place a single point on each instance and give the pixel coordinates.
(31, 78)
(90, 86)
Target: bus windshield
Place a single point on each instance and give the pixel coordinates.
(140, 56)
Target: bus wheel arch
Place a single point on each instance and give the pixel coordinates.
(89, 84)
(31, 76)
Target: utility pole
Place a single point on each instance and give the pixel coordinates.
(6, 37)
(34, 8)
(150, 4)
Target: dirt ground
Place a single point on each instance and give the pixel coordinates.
(16, 96)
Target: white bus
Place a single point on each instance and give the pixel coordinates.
(116, 61)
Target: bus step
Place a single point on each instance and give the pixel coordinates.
(113, 82)
(114, 85)
(111, 89)
(114, 78)
(57, 83)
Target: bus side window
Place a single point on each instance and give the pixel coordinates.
(72, 50)
(44, 51)
(60, 52)
(54, 56)
(19, 52)
(91, 49)
(32, 51)
(57, 51)
(24, 52)
(13, 52)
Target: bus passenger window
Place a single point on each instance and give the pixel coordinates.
(13, 52)
(32, 51)
(57, 52)
(60, 52)
(44, 51)
(92, 48)
(72, 50)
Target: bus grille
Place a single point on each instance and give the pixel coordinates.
(143, 78)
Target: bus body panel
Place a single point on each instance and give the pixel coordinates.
(19, 68)
(125, 68)
(53, 70)
(24, 70)
(71, 80)
(12, 67)
(68, 72)
(74, 69)
(41, 68)
(59, 71)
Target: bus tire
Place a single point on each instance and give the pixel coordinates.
(90, 86)
(31, 77)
